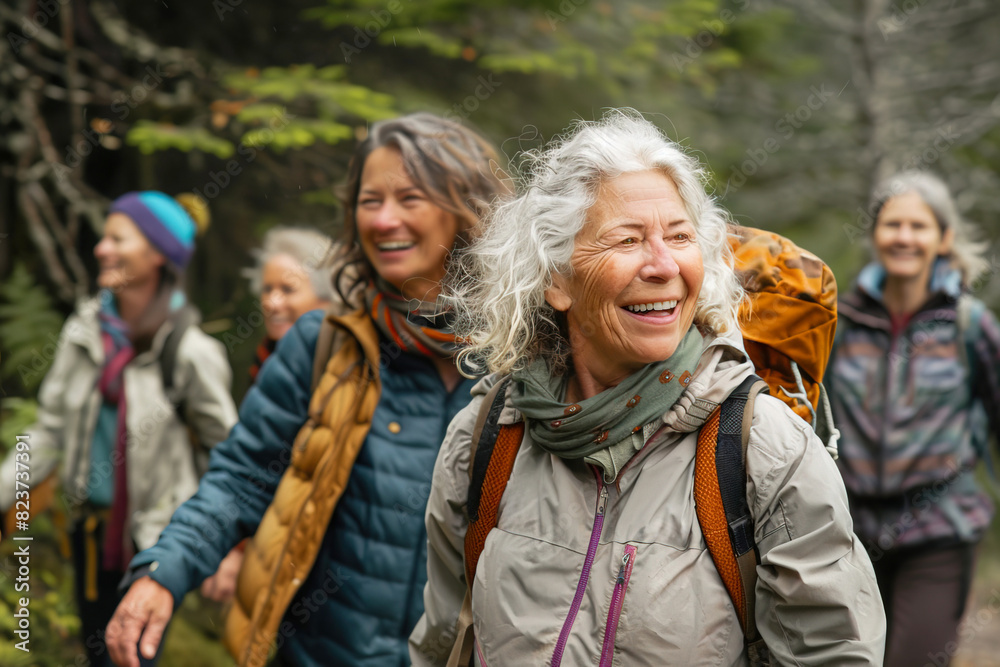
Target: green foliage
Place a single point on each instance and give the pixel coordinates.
(445, 47)
(300, 134)
(314, 99)
(29, 329)
(324, 198)
(55, 625)
(540, 37)
(323, 85)
(150, 137)
(195, 635)
(16, 415)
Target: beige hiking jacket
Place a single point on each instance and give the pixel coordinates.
(817, 599)
(161, 460)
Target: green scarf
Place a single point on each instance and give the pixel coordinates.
(604, 430)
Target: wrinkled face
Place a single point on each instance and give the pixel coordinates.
(636, 275)
(125, 256)
(405, 236)
(908, 238)
(286, 295)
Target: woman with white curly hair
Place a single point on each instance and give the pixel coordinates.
(605, 290)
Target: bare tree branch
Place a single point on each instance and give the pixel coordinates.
(67, 290)
(61, 234)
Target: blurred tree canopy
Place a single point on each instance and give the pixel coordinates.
(796, 108)
(255, 105)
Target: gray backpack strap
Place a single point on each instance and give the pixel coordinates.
(968, 315)
(826, 430)
(182, 320)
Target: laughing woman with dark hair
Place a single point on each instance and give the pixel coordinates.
(332, 483)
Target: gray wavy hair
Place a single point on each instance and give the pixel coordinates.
(967, 253)
(311, 249)
(498, 287)
(456, 168)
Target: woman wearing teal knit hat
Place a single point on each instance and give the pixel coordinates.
(108, 409)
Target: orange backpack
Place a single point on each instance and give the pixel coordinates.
(788, 323)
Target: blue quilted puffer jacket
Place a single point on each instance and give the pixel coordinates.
(365, 592)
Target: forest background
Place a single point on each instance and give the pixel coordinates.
(796, 108)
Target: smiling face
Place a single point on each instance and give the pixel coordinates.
(908, 238)
(404, 235)
(636, 274)
(125, 256)
(286, 295)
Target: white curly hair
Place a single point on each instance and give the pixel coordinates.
(497, 290)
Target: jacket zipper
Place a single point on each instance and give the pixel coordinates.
(617, 601)
(581, 587)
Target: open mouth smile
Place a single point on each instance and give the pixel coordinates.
(658, 306)
(391, 246)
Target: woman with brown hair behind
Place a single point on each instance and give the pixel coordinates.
(335, 572)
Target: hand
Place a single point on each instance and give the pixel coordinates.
(144, 611)
(221, 586)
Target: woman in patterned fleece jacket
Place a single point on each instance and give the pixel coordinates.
(914, 385)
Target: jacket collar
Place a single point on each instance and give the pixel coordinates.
(724, 365)
(945, 280)
(84, 329)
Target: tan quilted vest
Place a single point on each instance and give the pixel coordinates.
(281, 555)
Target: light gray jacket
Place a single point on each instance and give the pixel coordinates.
(817, 599)
(161, 459)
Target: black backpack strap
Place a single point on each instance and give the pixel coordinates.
(735, 418)
(484, 438)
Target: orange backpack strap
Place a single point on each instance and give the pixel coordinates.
(720, 484)
(494, 448)
(491, 459)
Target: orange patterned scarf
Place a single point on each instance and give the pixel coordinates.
(419, 327)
